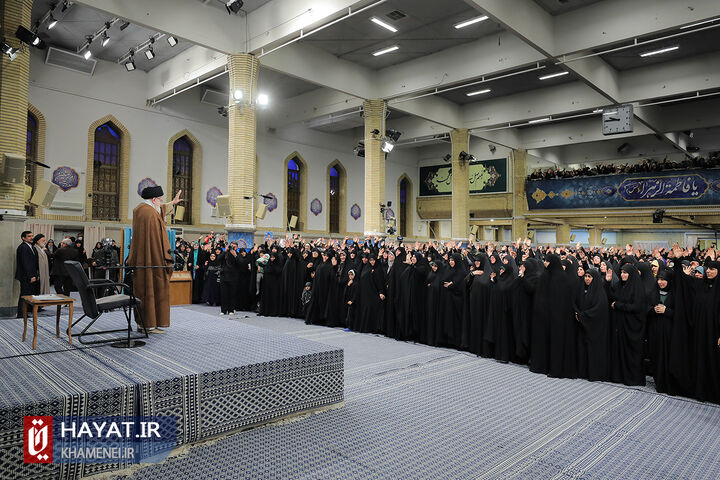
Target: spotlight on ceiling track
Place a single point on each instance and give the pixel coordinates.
(65, 6)
(172, 40)
(124, 26)
(466, 157)
(105, 39)
(150, 53)
(447, 158)
(11, 52)
(88, 53)
(52, 21)
(233, 6)
(26, 36)
(130, 64)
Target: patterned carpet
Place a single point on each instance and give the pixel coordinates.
(426, 413)
(214, 374)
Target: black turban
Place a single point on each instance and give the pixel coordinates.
(152, 192)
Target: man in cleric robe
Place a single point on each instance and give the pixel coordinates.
(150, 247)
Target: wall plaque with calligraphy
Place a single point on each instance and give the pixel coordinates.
(670, 188)
(486, 176)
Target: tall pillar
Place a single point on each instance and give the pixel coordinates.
(595, 236)
(374, 166)
(243, 71)
(460, 138)
(562, 234)
(14, 80)
(519, 167)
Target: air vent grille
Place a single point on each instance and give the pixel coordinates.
(70, 61)
(396, 15)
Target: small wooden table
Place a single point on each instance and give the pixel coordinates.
(181, 288)
(35, 304)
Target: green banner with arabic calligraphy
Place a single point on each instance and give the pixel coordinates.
(486, 176)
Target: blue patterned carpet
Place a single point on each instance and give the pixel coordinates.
(215, 375)
(426, 413)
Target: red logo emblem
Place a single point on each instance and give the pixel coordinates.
(38, 446)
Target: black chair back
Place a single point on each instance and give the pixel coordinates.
(80, 279)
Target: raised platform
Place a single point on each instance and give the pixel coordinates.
(216, 375)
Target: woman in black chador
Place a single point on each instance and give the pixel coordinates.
(211, 286)
(324, 276)
(478, 301)
(432, 314)
(660, 325)
(532, 270)
(591, 311)
(413, 322)
(229, 276)
(293, 281)
(500, 333)
(628, 308)
(372, 296)
(350, 298)
(451, 302)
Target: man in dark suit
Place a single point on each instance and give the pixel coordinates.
(63, 283)
(27, 271)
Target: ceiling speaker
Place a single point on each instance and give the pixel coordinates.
(531, 234)
(13, 169)
(474, 230)
(44, 194)
(603, 241)
(223, 206)
(293, 221)
(572, 237)
(261, 211)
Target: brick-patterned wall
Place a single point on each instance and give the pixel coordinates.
(519, 165)
(242, 169)
(374, 165)
(14, 79)
(460, 139)
(124, 167)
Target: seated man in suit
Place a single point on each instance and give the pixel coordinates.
(63, 283)
(27, 270)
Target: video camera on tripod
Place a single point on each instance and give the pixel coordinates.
(107, 256)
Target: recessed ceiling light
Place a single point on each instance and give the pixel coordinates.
(478, 92)
(538, 120)
(553, 75)
(471, 21)
(377, 21)
(662, 50)
(700, 23)
(385, 50)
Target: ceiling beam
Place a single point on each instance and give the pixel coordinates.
(433, 108)
(323, 102)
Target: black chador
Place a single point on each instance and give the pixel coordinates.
(451, 302)
(372, 297)
(413, 321)
(660, 325)
(500, 332)
(271, 300)
(629, 312)
(246, 285)
(321, 286)
(591, 307)
(396, 291)
(292, 284)
(523, 307)
(478, 301)
(432, 319)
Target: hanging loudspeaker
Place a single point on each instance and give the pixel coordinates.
(261, 211)
(28, 193)
(293, 221)
(603, 241)
(572, 237)
(13, 169)
(44, 194)
(179, 213)
(531, 234)
(474, 230)
(223, 206)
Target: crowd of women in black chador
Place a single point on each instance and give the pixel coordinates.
(603, 314)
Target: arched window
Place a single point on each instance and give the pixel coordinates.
(182, 170)
(403, 213)
(334, 200)
(106, 173)
(293, 189)
(31, 152)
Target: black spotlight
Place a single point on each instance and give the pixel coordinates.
(466, 157)
(359, 150)
(375, 132)
(447, 158)
(393, 135)
(658, 215)
(26, 36)
(233, 6)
